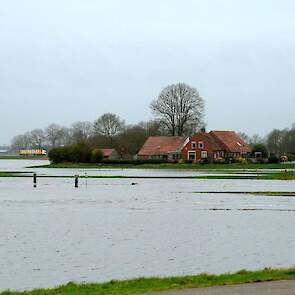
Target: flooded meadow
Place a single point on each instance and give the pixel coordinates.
(127, 228)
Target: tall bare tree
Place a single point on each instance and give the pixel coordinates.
(37, 138)
(21, 141)
(81, 131)
(57, 135)
(275, 141)
(179, 108)
(108, 125)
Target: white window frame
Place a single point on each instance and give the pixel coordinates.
(191, 152)
(194, 144)
(204, 154)
(200, 144)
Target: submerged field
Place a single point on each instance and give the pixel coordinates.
(129, 223)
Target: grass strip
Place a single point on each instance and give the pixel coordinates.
(271, 176)
(17, 157)
(274, 194)
(149, 285)
(185, 166)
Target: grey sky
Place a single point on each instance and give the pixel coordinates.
(68, 60)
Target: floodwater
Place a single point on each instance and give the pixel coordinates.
(109, 229)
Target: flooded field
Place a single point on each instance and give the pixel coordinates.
(110, 229)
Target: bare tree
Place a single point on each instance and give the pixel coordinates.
(275, 141)
(81, 131)
(37, 138)
(108, 125)
(20, 142)
(288, 142)
(256, 139)
(179, 108)
(152, 128)
(57, 135)
(245, 137)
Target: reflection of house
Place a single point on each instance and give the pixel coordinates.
(215, 144)
(110, 154)
(163, 148)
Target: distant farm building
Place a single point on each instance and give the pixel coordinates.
(110, 154)
(162, 148)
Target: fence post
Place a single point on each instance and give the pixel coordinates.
(76, 181)
(35, 179)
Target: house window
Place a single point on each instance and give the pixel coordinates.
(192, 156)
(176, 156)
(204, 154)
(200, 144)
(194, 144)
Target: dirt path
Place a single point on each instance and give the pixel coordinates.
(267, 288)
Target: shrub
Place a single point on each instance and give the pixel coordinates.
(273, 159)
(290, 157)
(59, 154)
(260, 148)
(96, 156)
(219, 160)
(79, 153)
(204, 161)
(240, 160)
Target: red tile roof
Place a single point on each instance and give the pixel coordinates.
(162, 145)
(231, 141)
(107, 152)
(209, 139)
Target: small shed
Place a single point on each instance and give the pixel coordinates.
(110, 154)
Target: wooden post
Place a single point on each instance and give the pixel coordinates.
(76, 181)
(35, 179)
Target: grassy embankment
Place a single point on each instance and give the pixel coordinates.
(185, 166)
(290, 175)
(9, 174)
(140, 286)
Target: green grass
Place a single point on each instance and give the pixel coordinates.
(185, 166)
(270, 194)
(17, 157)
(8, 174)
(145, 286)
(290, 175)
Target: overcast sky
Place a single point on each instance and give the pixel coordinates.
(68, 60)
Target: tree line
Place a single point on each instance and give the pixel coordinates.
(178, 111)
(278, 142)
(108, 131)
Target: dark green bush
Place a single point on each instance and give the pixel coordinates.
(78, 153)
(290, 157)
(96, 156)
(260, 148)
(204, 161)
(273, 159)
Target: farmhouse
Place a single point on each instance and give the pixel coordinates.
(215, 144)
(163, 148)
